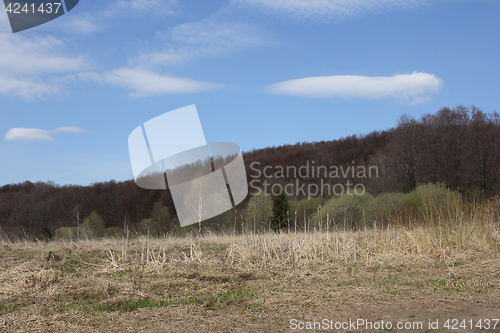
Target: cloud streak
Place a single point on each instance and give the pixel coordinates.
(147, 83)
(144, 73)
(209, 37)
(336, 9)
(414, 87)
(35, 134)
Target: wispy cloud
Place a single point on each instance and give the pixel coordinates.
(208, 37)
(414, 87)
(89, 22)
(186, 42)
(146, 83)
(36, 134)
(146, 72)
(31, 66)
(335, 9)
(84, 24)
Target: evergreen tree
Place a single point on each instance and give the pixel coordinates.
(280, 209)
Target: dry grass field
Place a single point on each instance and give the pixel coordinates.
(254, 283)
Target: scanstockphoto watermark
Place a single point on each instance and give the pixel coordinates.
(300, 179)
(358, 324)
(454, 324)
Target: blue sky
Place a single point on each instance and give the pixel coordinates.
(261, 73)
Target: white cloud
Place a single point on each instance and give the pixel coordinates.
(30, 66)
(35, 55)
(185, 42)
(28, 134)
(84, 24)
(211, 36)
(146, 83)
(314, 9)
(182, 43)
(25, 87)
(69, 129)
(412, 87)
(36, 134)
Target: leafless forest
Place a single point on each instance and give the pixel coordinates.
(456, 148)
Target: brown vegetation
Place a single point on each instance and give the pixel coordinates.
(446, 266)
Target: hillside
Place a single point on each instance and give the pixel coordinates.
(458, 147)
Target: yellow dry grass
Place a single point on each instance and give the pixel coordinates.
(252, 281)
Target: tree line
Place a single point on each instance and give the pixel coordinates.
(458, 147)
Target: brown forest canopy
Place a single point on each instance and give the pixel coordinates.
(459, 147)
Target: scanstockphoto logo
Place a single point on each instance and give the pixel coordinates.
(202, 185)
(28, 14)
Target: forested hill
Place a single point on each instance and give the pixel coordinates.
(459, 147)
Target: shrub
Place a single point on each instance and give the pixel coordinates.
(428, 204)
(437, 204)
(93, 226)
(260, 210)
(147, 227)
(384, 207)
(309, 206)
(158, 224)
(344, 210)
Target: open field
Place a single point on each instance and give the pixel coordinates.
(249, 282)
